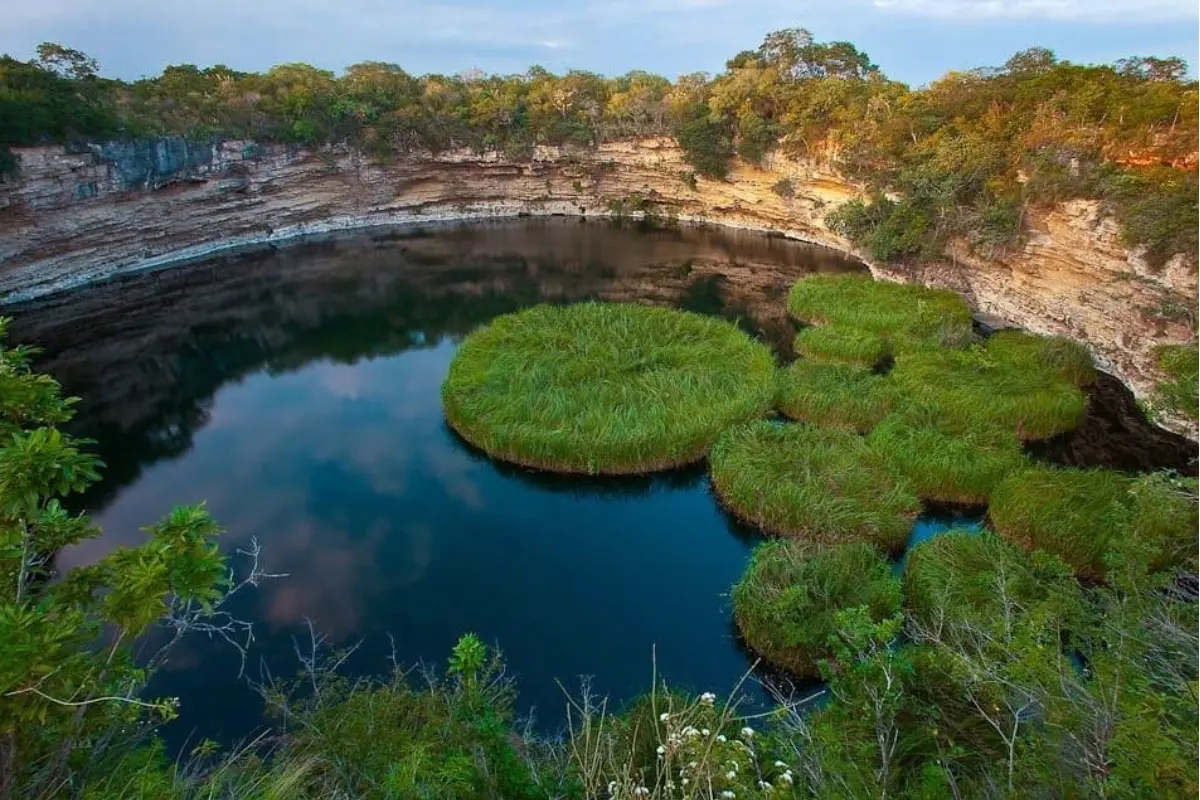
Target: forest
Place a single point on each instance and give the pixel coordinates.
(965, 157)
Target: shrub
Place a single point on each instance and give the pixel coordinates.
(835, 395)
(784, 605)
(605, 387)
(1181, 364)
(784, 188)
(1157, 209)
(943, 468)
(905, 315)
(821, 485)
(1165, 521)
(965, 576)
(973, 389)
(707, 144)
(841, 344)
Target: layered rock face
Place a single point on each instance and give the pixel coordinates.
(78, 216)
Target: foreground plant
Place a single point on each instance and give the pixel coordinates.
(817, 484)
(786, 604)
(604, 387)
(835, 395)
(69, 680)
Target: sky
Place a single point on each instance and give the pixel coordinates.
(912, 40)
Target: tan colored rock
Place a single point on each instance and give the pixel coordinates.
(69, 220)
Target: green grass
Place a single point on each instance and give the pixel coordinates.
(1062, 357)
(841, 344)
(948, 469)
(1178, 393)
(964, 576)
(907, 316)
(784, 604)
(819, 484)
(605, 387)
(976, 388)
(1083, 516)
(835, 395)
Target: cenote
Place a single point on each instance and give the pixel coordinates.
(296, 391)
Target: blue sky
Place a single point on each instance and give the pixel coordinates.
(913, 40)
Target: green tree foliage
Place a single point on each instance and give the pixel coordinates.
(68, 677)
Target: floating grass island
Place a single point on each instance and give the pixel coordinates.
(942, 468)
(818, 484)
(963, 576)
(1085, 515)
(785, 603)
(835, 395)
(905, 315)
(605, 388)
(851, 345)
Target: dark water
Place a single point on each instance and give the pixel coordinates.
(296, 392)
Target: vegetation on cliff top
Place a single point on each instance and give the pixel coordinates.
(605, 387)
(964, 158)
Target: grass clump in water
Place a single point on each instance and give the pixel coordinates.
(1067, 359)
(1179, 392)
(1084, 516)
(835, 395)
(841, 344)
(605, 387)
(784, 605)
(818, 484)
(944, 468)
(907, 316)
(976, 388)
(964, 577)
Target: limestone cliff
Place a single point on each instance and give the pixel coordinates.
(77, 216)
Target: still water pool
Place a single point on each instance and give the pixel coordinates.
(296, 391)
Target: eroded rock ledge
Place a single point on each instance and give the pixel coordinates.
(79, 216)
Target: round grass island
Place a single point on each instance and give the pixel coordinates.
(605, 388)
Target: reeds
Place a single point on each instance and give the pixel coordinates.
(835, 395)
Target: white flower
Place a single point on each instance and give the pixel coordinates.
(765, 786)
(663, 717)
(705, 732)
(641, 791)
(781, 765)
(670, 785)
(731, 775)
(690, 731)
(708, 698)
(721, 737)
(686, 781)
(728, 795)
(612, 787)
(786, 778)
(747, 733)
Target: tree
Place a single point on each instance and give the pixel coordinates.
(66, 62)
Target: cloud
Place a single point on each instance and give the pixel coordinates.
(1077, 10)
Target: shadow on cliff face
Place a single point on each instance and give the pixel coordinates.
(147, 352)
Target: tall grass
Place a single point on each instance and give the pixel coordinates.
(964, 577)
(841, 343)
(1067, 359)
(819, 484)
(605, 387)
(784, 605)
(1179, 391)
(835, 395)
(943, 468)
(974, 388)
(906, 315)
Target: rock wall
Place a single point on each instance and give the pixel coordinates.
(80, 215)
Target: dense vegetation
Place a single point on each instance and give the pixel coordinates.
(605, 387)
(965, 158)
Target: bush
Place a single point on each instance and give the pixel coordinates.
(784, 188)
(707, 144)
(965, 576)
(947, 469)
(1181, 364)
(974, 389)
(785, 603)
(605, 387)
(1157, 209)
(835, 395)
(821, 485)
(841, 344)
(907, 316)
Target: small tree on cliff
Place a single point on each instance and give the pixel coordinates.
(68, 676)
